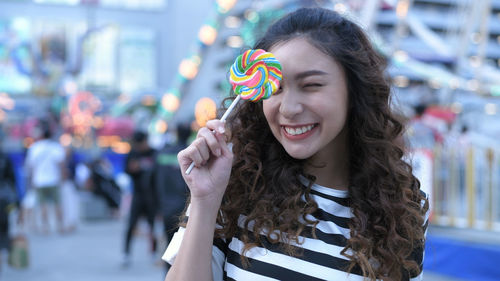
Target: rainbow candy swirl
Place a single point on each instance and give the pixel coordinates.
(255, 75)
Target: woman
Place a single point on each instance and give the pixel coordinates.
(314, 186)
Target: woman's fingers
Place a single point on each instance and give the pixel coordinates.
(193, 152)
(211, 141)
(216, 126)
(226, 149)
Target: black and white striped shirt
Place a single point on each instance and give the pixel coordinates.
(320, 258)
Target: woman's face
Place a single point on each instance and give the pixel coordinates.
(308, 114)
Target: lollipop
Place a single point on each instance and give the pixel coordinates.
(255, 75)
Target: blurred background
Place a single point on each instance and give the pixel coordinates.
(96, 72)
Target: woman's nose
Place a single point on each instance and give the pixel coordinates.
(291, 104)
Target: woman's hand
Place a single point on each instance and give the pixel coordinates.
(213, 161)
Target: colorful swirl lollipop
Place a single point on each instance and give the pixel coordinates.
(255, 75)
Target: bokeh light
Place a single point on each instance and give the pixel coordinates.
(170, 102)
(207, 34)
(188, 69)
(205, 110)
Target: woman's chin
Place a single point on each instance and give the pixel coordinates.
(299, 155)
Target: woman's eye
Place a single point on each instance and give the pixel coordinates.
(310, 85)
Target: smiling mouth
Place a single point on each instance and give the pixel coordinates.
(300, 130)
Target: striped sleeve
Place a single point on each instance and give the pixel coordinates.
(219, 251)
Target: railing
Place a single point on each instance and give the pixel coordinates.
(463, 183)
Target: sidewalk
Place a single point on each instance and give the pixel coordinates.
(93, 252)
(428, 276)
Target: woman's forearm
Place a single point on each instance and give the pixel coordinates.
(194, 259)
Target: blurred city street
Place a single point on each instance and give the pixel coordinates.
(93, 252)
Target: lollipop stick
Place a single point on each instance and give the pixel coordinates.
(230, 108)
(223, 118)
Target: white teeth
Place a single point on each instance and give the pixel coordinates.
(298, 131)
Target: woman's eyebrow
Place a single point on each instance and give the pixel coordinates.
(307, 73)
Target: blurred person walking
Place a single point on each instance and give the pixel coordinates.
(8, 201)
(69, 193)
(139, 166)
(27, 219)
(419, 134)
(463, 146)
(44, 167)
(100, 180)
(171, 188)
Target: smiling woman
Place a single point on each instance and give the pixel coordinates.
(314, 186)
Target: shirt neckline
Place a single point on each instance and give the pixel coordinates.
(326, 190)
(330, 191)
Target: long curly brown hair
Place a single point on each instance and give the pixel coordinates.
(266, 184)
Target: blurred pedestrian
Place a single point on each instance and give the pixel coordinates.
(27, 218)
(101, 181)
(69, 193)
(139, 165)
(9, 200)
(419, 134)
(171, 188)
(44, 166)
(464, 147)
